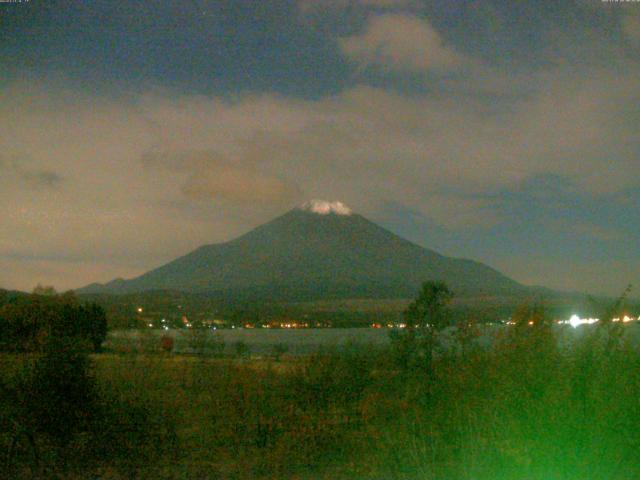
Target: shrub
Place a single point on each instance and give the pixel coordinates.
(57, 392)
(57, 422)
(26, 322)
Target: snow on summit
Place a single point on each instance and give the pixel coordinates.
(324, 207)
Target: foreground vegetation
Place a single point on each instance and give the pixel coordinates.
(29, 322)
(541, 403)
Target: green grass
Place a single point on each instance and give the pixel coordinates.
(526, 409)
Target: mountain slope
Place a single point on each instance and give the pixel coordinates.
(312, 253)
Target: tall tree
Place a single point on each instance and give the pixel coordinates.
(429, 309)
(424, 318)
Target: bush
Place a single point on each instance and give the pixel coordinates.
(58, 393)
(28, 321)
(530, 407)
(56, 422)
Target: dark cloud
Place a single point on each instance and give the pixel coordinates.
(207, 176)
(29, 175)
(43, 178)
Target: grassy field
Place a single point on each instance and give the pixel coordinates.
(530, 407)
(256, 341)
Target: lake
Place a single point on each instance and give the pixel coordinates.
(264, 341)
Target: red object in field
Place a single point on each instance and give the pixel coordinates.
(166, 342)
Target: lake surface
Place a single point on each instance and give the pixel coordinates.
(263, 341)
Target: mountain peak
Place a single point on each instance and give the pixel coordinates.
(318, 251)
(324, 207)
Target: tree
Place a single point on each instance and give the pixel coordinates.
(28, 322)
(44, 290)
(58, 391)
(95, 325)
(429, 309)
(424, 318)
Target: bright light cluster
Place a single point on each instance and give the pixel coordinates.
(575, 321)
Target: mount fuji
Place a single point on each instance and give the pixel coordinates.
(320, 250)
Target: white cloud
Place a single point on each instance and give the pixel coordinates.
(400, 42)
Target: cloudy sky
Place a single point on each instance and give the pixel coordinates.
(133, 132)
